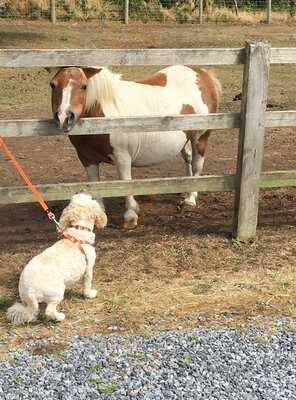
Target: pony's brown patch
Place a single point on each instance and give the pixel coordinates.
(158, 79)
(210, 91)
(92, 149)
(202, 142)
(188, 109)
(78, 80)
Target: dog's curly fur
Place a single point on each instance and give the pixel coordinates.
(46, 276)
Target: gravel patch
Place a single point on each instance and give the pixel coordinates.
(197, 364)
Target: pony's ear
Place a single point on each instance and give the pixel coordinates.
(91, 71)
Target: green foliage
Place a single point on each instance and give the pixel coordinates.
(4, 303)
(103, 388)
(186, 360)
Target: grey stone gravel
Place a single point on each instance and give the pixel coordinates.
(197, 364)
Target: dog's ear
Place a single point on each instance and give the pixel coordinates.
(66, 217)
(100, 216)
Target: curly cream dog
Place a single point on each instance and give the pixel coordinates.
(46, 276)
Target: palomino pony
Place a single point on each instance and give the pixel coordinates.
(98, 92)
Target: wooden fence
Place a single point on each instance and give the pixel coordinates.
(256, 57)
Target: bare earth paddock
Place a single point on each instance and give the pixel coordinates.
(176, 269)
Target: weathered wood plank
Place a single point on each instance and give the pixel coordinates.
(63, 191)
(277, 179)
(105, 57)
(13, 128)
(251, 139)
(283, 55)
(280, 119)
(121, 188)
(96, 126)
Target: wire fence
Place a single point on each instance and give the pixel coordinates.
(180, 11)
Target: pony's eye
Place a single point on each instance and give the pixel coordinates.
(83, 87)
(52, 85)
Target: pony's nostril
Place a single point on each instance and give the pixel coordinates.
(71, 116)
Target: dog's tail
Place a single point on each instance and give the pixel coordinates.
(19, 314)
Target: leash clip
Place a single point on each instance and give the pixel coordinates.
(52, 217)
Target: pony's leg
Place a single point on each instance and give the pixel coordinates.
(199, 144)
(123, 163)
(93, 175)
(187, 157)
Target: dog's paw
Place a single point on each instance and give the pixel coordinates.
(90, 294)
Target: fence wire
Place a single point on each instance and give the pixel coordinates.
(181, 11)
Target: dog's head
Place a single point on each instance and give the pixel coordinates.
(85, 211)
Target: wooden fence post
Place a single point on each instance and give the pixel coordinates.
(269, 15)
(126, 12)
(251, 139)
(53, 17)
(200, 11)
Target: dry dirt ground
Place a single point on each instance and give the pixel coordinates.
(176, 269)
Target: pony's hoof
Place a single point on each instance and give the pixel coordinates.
(90, 294)
(59, 316)
(186, 205)
(130, 224)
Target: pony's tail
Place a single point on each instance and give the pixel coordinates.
(216, 82)
(19, 314)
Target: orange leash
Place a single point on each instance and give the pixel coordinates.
(26, 179)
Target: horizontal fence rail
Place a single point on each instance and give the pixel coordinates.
(105, 57)
(117, 125)
(220, 183)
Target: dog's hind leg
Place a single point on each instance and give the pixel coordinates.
(51, 310)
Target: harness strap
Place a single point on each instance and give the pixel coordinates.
(78, 242)
(26, 179)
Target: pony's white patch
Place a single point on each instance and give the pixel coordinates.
(65, 104)
(102, 88)
(199, 164)
(120, 98)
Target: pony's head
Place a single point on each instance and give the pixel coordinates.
(69, 87)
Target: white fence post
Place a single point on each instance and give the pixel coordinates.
(53, 16)
(126, 12)
(269, 15)
(251, 139)
(200, 11)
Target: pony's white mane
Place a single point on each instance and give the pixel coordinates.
(101, 88)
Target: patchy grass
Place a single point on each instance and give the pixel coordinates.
(93, 367)
(5, 303)
(104, 388)
(186, 360)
